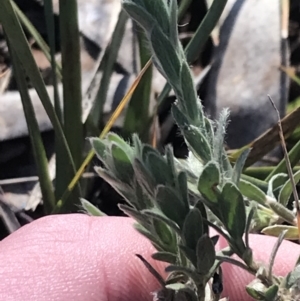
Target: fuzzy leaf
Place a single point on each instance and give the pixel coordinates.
(220, 136)
(144, 220)
(112, 137)
(208, 180)
(205, 254)
(139, 14)
(171, 205)
(208, 124)
(199, 205)
(122, 164)
(192, 228)
(165, 257)
(165, 55)
(90, 209)
(164, 233)
(144, 177)
(282, 211)
(180, 118)
(271, 293)
(197, 143)
(100, 148)
(287, 190)
(276, 230)
(233, 210)
(252, 192)
(183, 189)
(293, 278)
(173, 24)
(159, 169)
(189, 95)
(256, 290)
(156, 243)
(158, 215)
(239, 165)
(189, 254)
(184, 270)
(275, 182)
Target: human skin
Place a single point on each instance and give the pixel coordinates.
(80, 258)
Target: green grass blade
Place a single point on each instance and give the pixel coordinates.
(107, 65)
(137, 114)
(35, 137)
(18, 42)
(294, 156)
(49, 17)
(72, 107)
(36, 35)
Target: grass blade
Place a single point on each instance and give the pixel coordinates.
(72, 113)
(35, 137)
(17, 39)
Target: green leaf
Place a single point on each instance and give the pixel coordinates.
(165, 256)
(192, 228)
(293, 277)
(282, 211)
(233, 210)
(256, 290)
(90, 209)
(99, 147)
(252, 192)
(189, 101)
(158, 215)
(142, 230)
(180, 118)
(205, 254)
(164, 233)
(271, 293)
(199, 205)
(144, 177)
(239, 165)
(183, 189)
(166, 57)
(275, 182)
(287, 189)
(248, 224)
(139, 14)
(208, 180)
(159, 169)
(112, 137)
(276, 230)
(189, 254)
(122, 164)
(171, 205)
(220, 136)
(186, 271)
(197, 143)
(173, 23)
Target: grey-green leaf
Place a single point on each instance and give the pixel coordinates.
(99, 147)
(208, 180)
(239, 165)
(171, 204)
(165, 256)
(90, 209)
(197, 143)
(233, 210)
(252, 192)
(205, 254)
(287, 190)
(192, 228)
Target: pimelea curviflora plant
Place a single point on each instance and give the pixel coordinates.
(175, 203)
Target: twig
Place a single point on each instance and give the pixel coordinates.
(288, 166)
